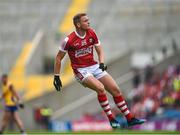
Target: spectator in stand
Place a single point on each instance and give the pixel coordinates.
(149, 71)
(150, 106)
(137, 106)
(46, 114)
(176, 87)
(37, 116)
(158, 92)
(136, 78)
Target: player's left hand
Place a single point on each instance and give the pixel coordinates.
(102, 66)
(21, 105)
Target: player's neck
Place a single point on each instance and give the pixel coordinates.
(80, 32)
(4, 83)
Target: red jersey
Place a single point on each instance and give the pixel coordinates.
(80, 49)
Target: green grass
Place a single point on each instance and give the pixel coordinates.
(123, 132)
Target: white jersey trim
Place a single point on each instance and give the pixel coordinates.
(98, 44)
(62, 50)
(79, 35)
(63, 44)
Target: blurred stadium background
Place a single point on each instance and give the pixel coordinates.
(142, 48)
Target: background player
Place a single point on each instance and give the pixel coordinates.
(12, 101)
(79, 45)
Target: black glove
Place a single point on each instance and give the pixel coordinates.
(57, 82)
(102, 66)
(21, 105)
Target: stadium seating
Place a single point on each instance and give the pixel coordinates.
(20, 20)
(139, 25)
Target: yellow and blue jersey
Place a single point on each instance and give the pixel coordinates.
(8, 95)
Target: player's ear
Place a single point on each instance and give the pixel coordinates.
(78, 25)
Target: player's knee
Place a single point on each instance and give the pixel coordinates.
(116, 92)
(100, 89)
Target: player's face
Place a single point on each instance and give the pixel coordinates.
(84, 23)
(4, 80)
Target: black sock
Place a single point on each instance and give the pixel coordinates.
(22, 131)
(1, 132)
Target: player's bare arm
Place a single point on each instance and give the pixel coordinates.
(17, 99)
(11, 88)
(57, 67)
(100, 54)
(2, 95)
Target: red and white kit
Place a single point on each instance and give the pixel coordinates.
(80, 51)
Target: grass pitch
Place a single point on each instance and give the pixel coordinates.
(126, 132)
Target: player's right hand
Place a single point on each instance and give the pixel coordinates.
(57, 82)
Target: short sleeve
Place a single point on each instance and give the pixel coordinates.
(64, 45)
(97, 41)
(6, 88)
